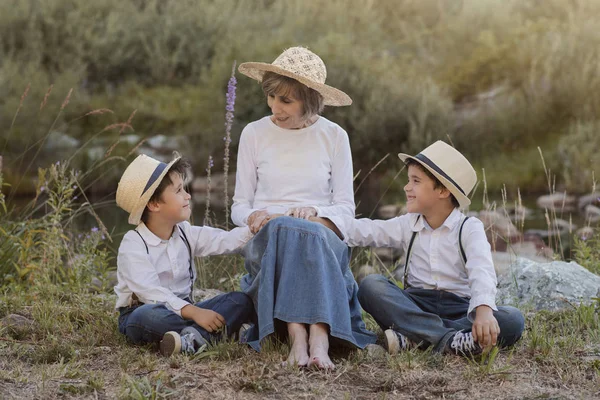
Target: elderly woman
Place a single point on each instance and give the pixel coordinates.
(297, 165)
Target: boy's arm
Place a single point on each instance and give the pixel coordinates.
(367, 232)
(480, 267)
(207, 241)
(135, 270)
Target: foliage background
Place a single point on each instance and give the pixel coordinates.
(496, 77)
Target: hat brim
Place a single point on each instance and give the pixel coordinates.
(331, 96)
(136, 214)
(462, 199)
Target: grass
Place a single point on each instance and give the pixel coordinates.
(74, 350)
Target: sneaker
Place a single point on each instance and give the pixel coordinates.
(463, 344)
(243, 333)
(396, 341)
(189, 341)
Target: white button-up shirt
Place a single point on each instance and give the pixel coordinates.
(435, 261)
(161, 274)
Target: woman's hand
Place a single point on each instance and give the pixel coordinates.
(257, 220)
(301, 212)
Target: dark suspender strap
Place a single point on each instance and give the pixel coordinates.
(408, 252)
(145, 244)
(462, 250)
(412, 240)
(187, 243)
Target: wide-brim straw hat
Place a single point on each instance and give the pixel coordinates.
(303, 65)
(138, 183)
(447, 164)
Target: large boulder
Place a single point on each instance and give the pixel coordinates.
(546, 286)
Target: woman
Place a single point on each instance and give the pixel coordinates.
(298, 164)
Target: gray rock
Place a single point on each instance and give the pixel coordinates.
(546, 286)
(364, 271)
(375, 351)
(592, 213)
(585, 233)
(16, 323)
(590, 199)
(206, 294)
(557, 201)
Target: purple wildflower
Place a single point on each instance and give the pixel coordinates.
(229, 108)
(42, 189)
(95, 229)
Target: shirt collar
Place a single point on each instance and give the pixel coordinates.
(150, 238)
(418, 223)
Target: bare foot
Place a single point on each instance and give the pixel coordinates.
(299, 339)
(319, 347)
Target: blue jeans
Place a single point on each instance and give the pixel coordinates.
(430, 317)
(148, 323)
(298, 271)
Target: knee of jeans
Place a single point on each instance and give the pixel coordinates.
(241, 299)
(512, 322)
(371, 286)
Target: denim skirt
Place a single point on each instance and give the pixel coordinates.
(298, 271)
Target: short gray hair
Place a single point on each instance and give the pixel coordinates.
(279, 85)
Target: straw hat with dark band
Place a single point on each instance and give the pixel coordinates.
(450, 167)
(304, 66)
(138, 183)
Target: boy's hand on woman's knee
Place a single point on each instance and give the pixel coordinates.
(485, 329)
(257, 220)
(208, 319)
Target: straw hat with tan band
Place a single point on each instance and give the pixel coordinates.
(450, 167)
(304, 66)
(138, 183)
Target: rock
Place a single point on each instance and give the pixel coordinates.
(518, 213)
(592, 213)
(16, 323)
(375, 351)
(590, 199)
(585, 233)
(388, 211)
(499, 229)
(97, 285)
(546, 286)
(387, 253)
(206, 294)
(364, 271)
(557, 201)
(500, 224)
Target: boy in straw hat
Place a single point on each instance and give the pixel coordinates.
(155, 264)
(448, 300)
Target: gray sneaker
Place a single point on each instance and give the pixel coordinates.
(189, 341)
(463, 344)
(396, 341)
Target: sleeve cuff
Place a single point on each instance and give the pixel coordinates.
(482, 300)
(176, 304)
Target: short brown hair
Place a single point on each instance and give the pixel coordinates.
(436, 182)
(279, 85)
(180, 167)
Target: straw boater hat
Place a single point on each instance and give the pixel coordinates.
(304, 66)
(450, 167)
(138, 183)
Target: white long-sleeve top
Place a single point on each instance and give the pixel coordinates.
(161, 274)
(435, 261)
(278, 169)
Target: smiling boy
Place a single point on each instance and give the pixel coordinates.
(448, 299)
(155, 263)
